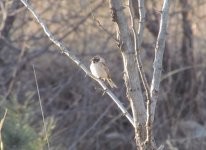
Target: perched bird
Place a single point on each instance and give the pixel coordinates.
(100, 70)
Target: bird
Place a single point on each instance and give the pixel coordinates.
(100, 70)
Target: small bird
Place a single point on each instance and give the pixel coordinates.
(100, 70)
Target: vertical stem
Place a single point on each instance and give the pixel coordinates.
(138, 37)
(159, 51)
(131, 76)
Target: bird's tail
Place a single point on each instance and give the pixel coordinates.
(111, 83)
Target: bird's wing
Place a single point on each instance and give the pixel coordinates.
(106, 69)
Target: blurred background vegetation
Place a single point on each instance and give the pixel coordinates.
(78, 115)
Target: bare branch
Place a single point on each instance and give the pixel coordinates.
(137, 45)
(138, 39)
(66, 52)
(159, 51)
(141, 22)
(131, 76)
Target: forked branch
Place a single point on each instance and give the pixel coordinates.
(138, 37)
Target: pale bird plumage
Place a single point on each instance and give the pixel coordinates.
(100, 70)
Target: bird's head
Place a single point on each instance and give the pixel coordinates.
(95, 59)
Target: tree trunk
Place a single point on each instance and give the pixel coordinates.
(131, 74)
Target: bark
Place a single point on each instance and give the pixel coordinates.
(138, 37)
(159, 51)
(152, 24)
(131, 75)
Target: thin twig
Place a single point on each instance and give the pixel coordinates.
(101, 27)
(186, 139)
(176, 71)
(42, 112)
(67, 52)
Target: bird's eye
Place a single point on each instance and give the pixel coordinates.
(95, 60)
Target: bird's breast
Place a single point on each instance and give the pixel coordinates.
(98, 70)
